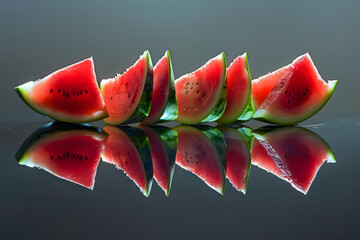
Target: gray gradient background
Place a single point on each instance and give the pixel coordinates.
(38, 37)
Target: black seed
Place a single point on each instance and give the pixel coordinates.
(190, 157)
(86, 158)
(73, 155)
(59, 90)
(186, 88)
(77, 93)
(51, 90)
(286, 91)
(304, 93)
(186, 92)
(73, 93)
(307, 89)
(81, 92)
(187, 83)
(197, 83)
(197, 162)
(191, 88)
(67, 95)
(111, 97)
(64, 155)
(186, 153)
(67, 153)
(86, 91)
(63, 93)
(187, 160)
(51, 157)
(298, 94)
(59, 157)
(197, 91)
(203, 94)
(289, 94)
(81, 157)
(126, 162)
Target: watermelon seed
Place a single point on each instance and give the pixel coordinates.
(59, 90)
(67, 153)
(63, 93)
(77, 93)
(64, 155)
(186, 92)
(80, 157)
(191, 88)
(111, 97)
(190, 157)
(80, 92)
(187, 83)
(307, 89)
(197, 91)
(197, 83)
(59, 157)
(73, 93)
(67, 95)
(186, 88)
(86, 158)
(289, 94)
(73, 155)
(186, 153)
(51, 157)
(197, 162)
(203, 94)
(202, 153)
(126, 162)
(187, 160)
(286, 91)
(51, 90)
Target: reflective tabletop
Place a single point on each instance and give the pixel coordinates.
(171, 181)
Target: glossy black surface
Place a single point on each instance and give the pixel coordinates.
(36, 203)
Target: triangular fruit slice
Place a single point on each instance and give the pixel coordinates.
(128, 149)
(163, 103)
(202, 151)
(201, 95)
(70, 94)
(292, 153)
(128, 96)
(163, 144)
(70, 152)
(238, 157)
(298, 94)
(239, 104)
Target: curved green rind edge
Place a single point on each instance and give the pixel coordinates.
(217, 139)
(141, 142)
(262, 115)
(170, 139)
(263, 131)
(22, 94)
(50, 129)
(171, 109)
(143, 108)
(220, 106)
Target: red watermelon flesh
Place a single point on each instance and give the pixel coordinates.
(70, 94)
(122, 152)
(238, 82)
(163, 85)
(163, 166)
(297, 154)
(201, 95)
(71, 155)
(202, 156)
(128, 96)
(238, 158)
(297, 95)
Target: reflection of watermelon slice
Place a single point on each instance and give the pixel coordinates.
(293, 154)
(128, 149)
(202, 151)
(239, 104)
(163, 143)
(163, 103)
(128, 96)
(70, 94)
(201, 95)
(70, 152)
(238, 157)
(299, 93)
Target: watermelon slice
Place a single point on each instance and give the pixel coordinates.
(70, 152)
(128, 96)
(202, 151)
(201, 95)
(298, 94)
(163, 144)
(238, 157)
(70, 94)
(293, 154)
(128, 149)
(239, 104)
(163, 103)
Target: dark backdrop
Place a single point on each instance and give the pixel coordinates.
(38, 37)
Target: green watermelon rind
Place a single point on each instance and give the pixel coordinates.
(220, 106)
(264, 116)
(143, 108)
(23, 92)
(171, 110)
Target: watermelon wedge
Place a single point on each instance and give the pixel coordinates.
(163, 103)
(202, 151)
(163, 144)
(293, 154)
(128, 149)
(239, 104)
(70, 152)
(201, 95)
(70, 94)
(238, 157)
(298, 94)
(128, 96)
